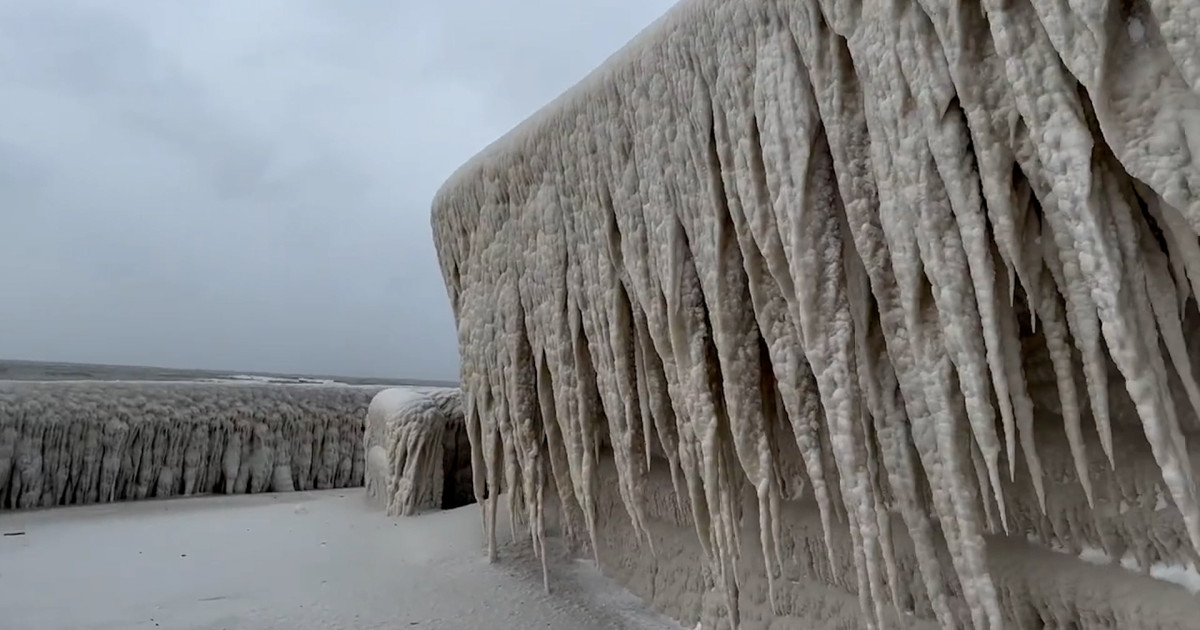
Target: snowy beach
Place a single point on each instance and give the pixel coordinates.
(295, 561)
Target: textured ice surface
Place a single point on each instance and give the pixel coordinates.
(418, 455)
(74, 442)
(872, 253)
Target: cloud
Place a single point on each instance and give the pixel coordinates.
(246, 185)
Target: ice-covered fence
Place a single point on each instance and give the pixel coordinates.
(64, 443)
(418, 453)
(872, 249)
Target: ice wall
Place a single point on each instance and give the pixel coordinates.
(418, 453)
(69, 442)
(859, 252)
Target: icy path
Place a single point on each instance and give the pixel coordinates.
(293, 561)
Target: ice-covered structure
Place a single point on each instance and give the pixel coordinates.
(418, 453)
(918, 279)
(76, 442)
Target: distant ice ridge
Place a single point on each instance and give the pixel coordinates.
(873, 250)
(75, 442)
(279, 379)
(294, 380)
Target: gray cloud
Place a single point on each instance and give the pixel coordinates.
(246, 185)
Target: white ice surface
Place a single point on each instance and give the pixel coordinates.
(289, 561)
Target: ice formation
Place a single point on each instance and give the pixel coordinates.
(418, 454)
(876, 251)
(74, 442)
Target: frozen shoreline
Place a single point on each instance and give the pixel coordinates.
(288, 561)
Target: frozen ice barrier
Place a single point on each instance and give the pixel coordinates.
(418, 455)
(856, 314)
(80, 442)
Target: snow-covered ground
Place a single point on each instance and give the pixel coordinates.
(289, 561)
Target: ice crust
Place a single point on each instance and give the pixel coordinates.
(417, 451)
(867, 249)
(76, 442)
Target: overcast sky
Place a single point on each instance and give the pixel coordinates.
(245, 184)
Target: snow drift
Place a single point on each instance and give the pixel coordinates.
(74, 442)
(877, 255)
(418, 454)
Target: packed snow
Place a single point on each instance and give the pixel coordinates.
(884, 252)
(1185, 576)
(296, 561)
